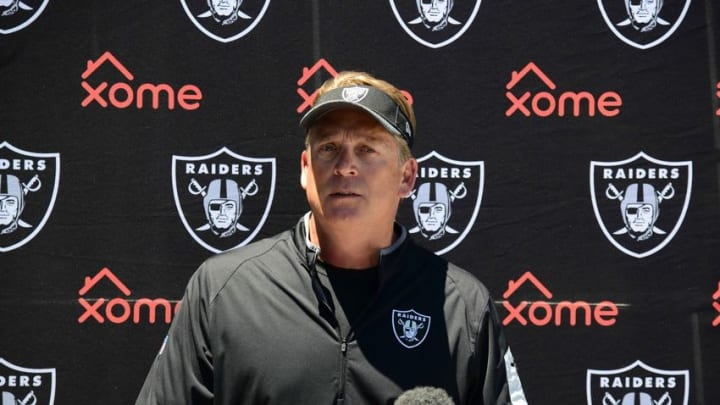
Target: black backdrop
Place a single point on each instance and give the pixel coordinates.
(110, 219)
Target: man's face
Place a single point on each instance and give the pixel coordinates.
(351, 171)
(222, 213)
(432, 216)
(224, 7)
(433, 10)
(9, 206)
(643, 11)
(639, 217)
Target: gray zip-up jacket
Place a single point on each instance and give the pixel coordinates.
(257, 326)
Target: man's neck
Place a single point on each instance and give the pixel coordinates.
(350, 247)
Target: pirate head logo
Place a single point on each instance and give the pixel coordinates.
(223, 198)
(223, 204)
(432, 205)
(640, 202)
(643, 23)
(637, 384)
(17, 14)
(225, 20)
(435, 23)
(29, 386)
(28, 187)
(410, 327)
(354, 94)
(446, 202)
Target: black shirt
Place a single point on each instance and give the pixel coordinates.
(352, 291)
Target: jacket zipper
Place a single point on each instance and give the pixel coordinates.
(343, 371)
(317, 288)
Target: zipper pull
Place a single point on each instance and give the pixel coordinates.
(343, 346)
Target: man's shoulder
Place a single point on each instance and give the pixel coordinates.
(217, 269)
(464, 278)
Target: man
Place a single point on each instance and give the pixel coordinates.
(344, 308)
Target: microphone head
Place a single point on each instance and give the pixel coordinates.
(424, 396)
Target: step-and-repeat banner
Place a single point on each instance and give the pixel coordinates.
(572, 146)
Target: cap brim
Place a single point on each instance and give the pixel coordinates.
(319, 110)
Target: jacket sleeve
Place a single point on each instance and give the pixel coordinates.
(182, 373)
(501, 382)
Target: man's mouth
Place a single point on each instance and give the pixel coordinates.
(344, 194)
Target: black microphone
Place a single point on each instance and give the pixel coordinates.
(424, 396)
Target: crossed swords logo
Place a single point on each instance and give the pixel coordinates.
(628, 21)
(30, 399)
(608, 399)
(458, 194)
(195, 188)
(613, 193)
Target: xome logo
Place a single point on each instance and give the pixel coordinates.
(542, 313)
(122, 95)
(544, 103)
(120, 310)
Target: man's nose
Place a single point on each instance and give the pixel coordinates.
(346, 163)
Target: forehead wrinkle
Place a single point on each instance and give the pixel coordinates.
(375, 134)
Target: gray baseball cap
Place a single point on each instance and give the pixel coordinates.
(369, 99)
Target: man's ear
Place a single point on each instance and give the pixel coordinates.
(409, 175)
(303, 168)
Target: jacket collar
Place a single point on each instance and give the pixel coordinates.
(391, 257)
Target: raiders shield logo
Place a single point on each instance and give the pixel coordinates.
(354, 94)
(640, 202)
(643, 23)
(31, 386)
(223, 198)
(638, 384)
(410, 327)
(435, 23)
(445, 203)
(18, 14)
(225, 20)
(28, 188)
